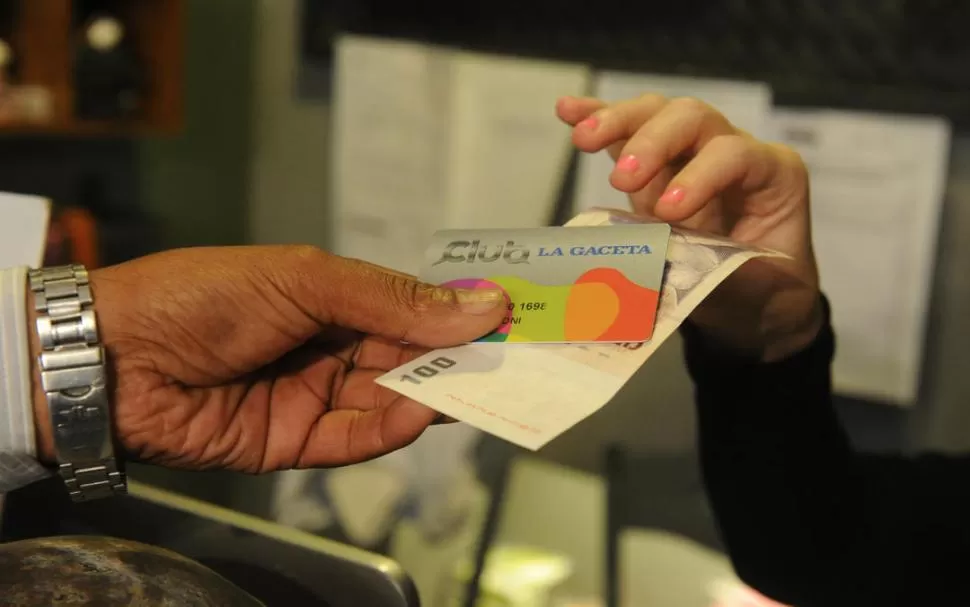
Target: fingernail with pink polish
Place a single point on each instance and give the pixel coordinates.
(628, 164)
(590, 123)
(673, 195)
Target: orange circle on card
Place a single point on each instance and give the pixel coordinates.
(590, 311)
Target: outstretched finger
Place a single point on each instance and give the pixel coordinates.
(616, 122)
(573, 110)
(678, 131)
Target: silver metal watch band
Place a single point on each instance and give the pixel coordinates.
(73, 374)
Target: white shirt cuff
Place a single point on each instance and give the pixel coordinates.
(18, 443)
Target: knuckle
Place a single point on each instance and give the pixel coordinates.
(307, 255)
(401, 291)
(704, 116)
(633, 112)
(304, 267)
(692, 105)
(290, 267)
(789, 155)
(733, 145)
(651, 100)
(652, 152)
(416, 295)
(792, 160)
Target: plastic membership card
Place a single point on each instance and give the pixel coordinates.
(562, 285)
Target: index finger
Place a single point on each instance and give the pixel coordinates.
(573, 110)
(616, 122)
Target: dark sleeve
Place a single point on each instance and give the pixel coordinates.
(807, 521)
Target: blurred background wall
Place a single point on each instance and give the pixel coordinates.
(250, 163)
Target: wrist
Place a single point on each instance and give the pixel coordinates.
(769, 333)
(46, 453)
(797, 336)
(74, 429)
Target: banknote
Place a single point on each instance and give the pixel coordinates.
(529, 394)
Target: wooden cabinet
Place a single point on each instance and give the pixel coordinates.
(46, 36)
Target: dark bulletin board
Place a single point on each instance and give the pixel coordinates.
(884, 55)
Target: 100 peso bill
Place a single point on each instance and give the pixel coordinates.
(529, 394)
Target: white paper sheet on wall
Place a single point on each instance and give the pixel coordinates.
(428, 138)
(746, 104)
(509, 153)
(389, 126)
(23, 229)
(877, 192)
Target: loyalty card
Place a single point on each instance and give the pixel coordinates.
(562, 285)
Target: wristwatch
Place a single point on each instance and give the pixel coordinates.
(74, 377)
